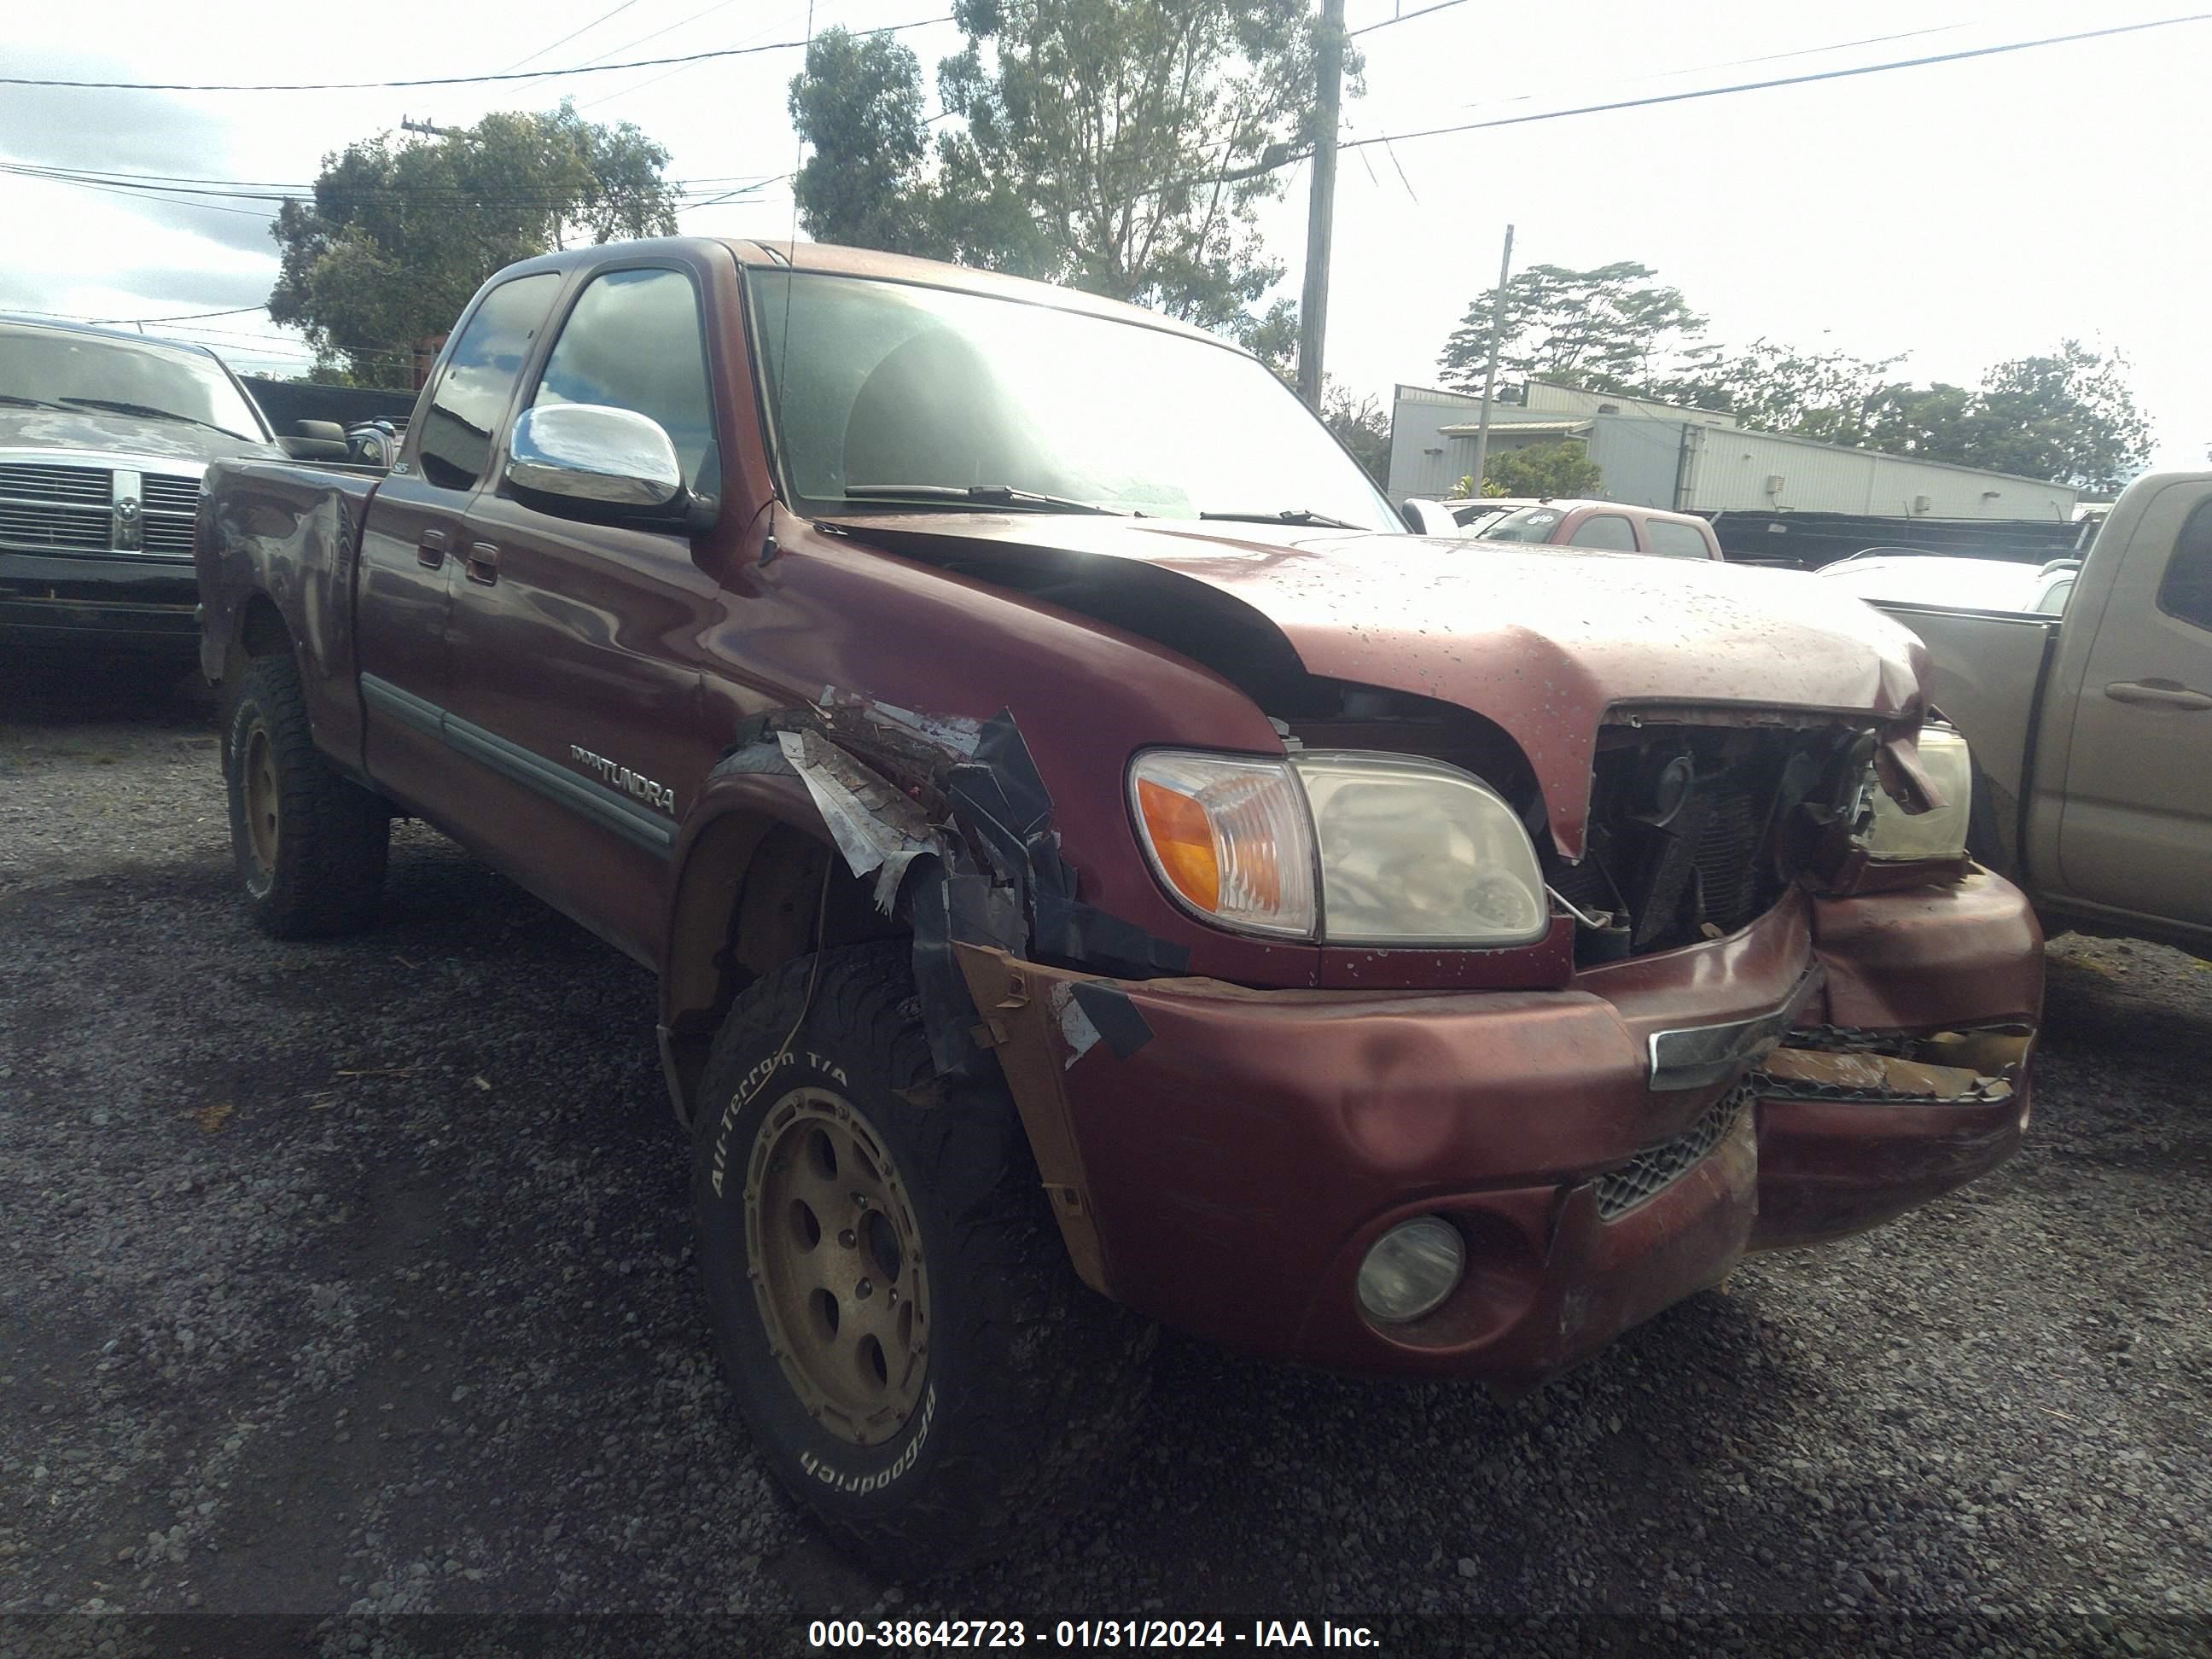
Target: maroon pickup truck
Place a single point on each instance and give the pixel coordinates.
(1098, 871)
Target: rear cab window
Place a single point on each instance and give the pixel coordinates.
(1676, 541)
(479, 377)
(1527, 524)
(2185, 590)
(633, 340)
(1607, 531)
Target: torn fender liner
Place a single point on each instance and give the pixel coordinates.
(1018, 1021)
(986, 871)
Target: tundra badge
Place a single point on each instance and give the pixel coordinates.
(621, 777)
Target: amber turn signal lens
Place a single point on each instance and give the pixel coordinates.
(1230, 836)
(1182, 841)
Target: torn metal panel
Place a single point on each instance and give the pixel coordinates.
(1076, 1030)
(875, 827)
(955, 734)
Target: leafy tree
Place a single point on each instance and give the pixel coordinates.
(401, 234)
(858, 104)
(1609, 329)
(1121, 146)
(1559, 471)
(2069, 417)
(1831, 396)
(1361, 425)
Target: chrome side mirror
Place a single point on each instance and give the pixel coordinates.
(608, 462)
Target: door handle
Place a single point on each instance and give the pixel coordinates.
(430, 548)
(484, 564)
(2157, 694)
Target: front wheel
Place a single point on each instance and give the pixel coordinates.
(309, 846)
(897, 1315)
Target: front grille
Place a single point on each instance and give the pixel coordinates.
(73, 529)
(170, 492)
(1653, 1169)
(1697, 831)
(25, 481)
(169, 536)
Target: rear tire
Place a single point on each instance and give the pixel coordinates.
(309, 846)
(922, 1370)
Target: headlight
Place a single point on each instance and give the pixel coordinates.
(1898, 836)
(1350, 849)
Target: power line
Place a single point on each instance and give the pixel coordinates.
(573, 33)
(1405, 17)
(1783, 81)
(445, 80)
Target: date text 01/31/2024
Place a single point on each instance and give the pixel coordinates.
(955, 1633)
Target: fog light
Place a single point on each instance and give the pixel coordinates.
(1412, 1268)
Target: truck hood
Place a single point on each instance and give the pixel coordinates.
(1541, 641)
(98, 431)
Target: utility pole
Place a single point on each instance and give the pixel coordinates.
(1490, 374)
(1313, 307)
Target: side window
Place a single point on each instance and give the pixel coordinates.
(2186, 593)
(1605, 529)
(634, 341)
(1676, 541)
(479, 377)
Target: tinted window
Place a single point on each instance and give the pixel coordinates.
(1677, 541)
(1528, 524)
(2186, 593)
(634, 341)
(479, 377)
(1608, 531)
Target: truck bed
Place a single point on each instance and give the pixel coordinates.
(290, 530)
(1988, 671)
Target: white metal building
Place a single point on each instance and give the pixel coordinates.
(1694, 460)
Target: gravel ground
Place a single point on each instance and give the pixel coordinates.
(354, 1278)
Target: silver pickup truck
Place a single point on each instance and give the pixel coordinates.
(2091, 732)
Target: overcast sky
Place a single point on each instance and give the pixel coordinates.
(1963, 212)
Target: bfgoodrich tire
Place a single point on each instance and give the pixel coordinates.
(917, 1359)
(310, 846)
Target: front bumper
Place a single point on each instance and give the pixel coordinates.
(118, 603)
(1222, 1158)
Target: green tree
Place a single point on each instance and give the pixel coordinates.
(1559, 471)
(858, 105)
(2069, 417)
(1120, 146)
(401, 234)
(1361, 425)
(1609, 329)
(1831, 396)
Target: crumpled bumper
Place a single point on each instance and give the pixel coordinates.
(1222, 1158)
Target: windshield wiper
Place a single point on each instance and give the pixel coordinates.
(1288, 515)
(27, 403)
(985, 495)
(148, 411)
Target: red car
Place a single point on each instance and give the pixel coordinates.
(1099, 871)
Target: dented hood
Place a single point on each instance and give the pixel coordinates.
(1542, 641)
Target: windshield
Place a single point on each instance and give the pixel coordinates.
(93, 371)
(1528, 524)
(892, 385)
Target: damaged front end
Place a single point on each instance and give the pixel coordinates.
(1859, 1125)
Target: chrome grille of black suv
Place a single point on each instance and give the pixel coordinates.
(1653, 1169)
(50, 507)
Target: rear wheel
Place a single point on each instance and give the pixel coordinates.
(309, 846)
(912, 1349)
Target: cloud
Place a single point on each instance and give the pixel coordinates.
(164, 288)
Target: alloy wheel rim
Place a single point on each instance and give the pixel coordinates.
(262, 799)
(837, 1266)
